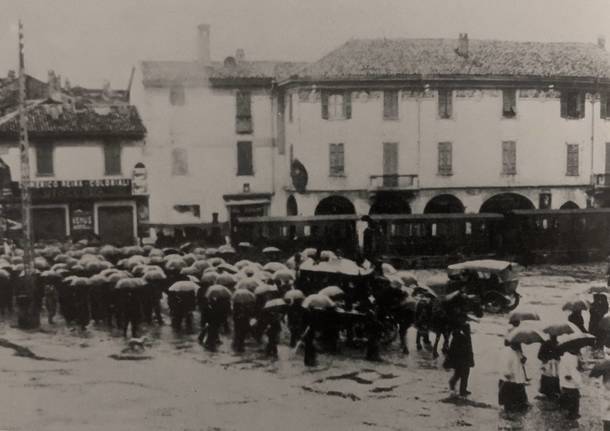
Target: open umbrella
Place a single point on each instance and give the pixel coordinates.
(264, 276)
(184, 286)
(49, 275)
(218, 292)
(201, 265)
(264, 289)
(226, 267)
(243, 296)
(109, 251)
(422, 290)
(97, 280)
(575, 305)
(97, 266)
(155, 252)
(326, 255)
(115, 277)
(271, 250)
(248, 283)
(226, 280)
(525, 335)
(209, 278)
(333, 292)
(274, 266)
(318, 302)
(241, 264)
(600, 369)
(190, 270)
(226, 249)
(309, 252)
(41, 263)
(602, 288)
(284, 276)
(575, 341)
(294, 296)
(59, 266)
(559, 328)
(211, 251)
(130, 283)
(275, 305)
(154, 274)
(79, 282)
(216, 261)
(175, 265)
(518, 316)
(4, 275)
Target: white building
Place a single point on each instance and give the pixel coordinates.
(437, 125)
(211, 145)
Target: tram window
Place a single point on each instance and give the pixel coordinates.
(545, 224)
(556, 223)
(284, 230)
(468, 228)
(416, 229)
(483, 227)
(433, 229)
(392, 229)
(306, 230)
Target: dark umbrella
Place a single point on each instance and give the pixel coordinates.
(130, 283)
(184, 286)
(50, 275)
(294, 295)
(264, 289)
(318, 302)
(599, 289)
(575, 305)
(559, 328)
(248, 283)
(600, 369)
(274, 267)
(226, 280)
(519, 316)
(333, 292)
(522, 335)
(209, 278)
(575, 341)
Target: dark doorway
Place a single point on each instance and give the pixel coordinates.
(444, 204)
(569, 205)
(116, 225)
(506, 202)
(48, 223)
(335, 205)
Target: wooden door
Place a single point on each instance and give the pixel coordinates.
(115, 225)
(48, 223)
(390, 164)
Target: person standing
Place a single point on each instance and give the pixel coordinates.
(570, 381)
(576, 318)
(371, 240)
(604, 395)
(599, 308)
(549, 379)
(460, 357)
(512, 394)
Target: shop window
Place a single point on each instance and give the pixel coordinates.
(572, 104)
(44, 159)
(243, 117)
(336, 105)
(244, 158)
(509, 103)
(390, 105)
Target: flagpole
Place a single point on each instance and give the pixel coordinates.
(29, 316)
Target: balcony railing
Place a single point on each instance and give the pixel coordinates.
(600, 180)
(394, 182)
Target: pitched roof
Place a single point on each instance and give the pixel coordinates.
(57, 121)
(192, 73)
(396, 58)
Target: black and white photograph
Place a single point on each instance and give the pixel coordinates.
(271, 215)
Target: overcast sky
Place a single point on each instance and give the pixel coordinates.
(89, 41)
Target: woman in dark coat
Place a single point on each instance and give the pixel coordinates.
(576, 318)
(460, 357)
(599, 308)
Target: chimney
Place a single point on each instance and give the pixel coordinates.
(11, 74)
(203, 43)
(601, 42)
(240, 55)
(51, 84)
(463, 45)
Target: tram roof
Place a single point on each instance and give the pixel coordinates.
(378, 217)
(550, 212)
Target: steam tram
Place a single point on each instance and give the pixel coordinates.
(527, 236)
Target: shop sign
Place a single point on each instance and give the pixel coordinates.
(79, 189)
(82, 220)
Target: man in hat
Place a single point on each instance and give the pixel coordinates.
(372, 239)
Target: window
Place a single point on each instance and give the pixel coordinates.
(509, 103)
(390, 105)
(572, 104)
(445, 103)
(572, 160)
(112, 158)
(445, 158)
(337, 160)
(244, 158)
(604, 107)
(243, 117)
(290, 108)
(44, 159)
(179, 161)
(176, 96)
(193, 210)
(336, 105)
(509, 157)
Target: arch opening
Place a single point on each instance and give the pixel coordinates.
(506, 202)
(444, 204)
(335, 205)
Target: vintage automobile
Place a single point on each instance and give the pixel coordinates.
(494, 281)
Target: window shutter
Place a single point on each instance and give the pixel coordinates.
(243, 104)
(324, 100)
(564, 104)
(347, 105)
(449, 103)
(244, 158)
(603, 105)
(581, 104)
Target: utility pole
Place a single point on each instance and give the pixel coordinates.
(29, 315)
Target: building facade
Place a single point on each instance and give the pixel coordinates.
(380, 126)
(210, 150)
(435, 126)
(86, 168)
